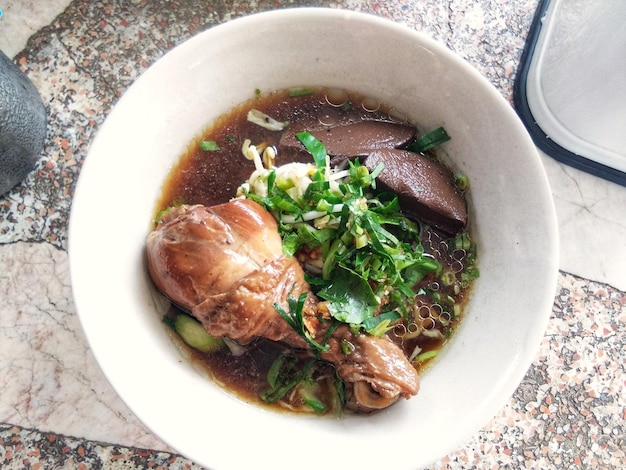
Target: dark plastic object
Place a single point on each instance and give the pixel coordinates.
(23, 123)
(549, 146)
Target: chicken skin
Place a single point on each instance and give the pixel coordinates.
(225, 266)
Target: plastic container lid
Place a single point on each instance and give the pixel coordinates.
(571, 88)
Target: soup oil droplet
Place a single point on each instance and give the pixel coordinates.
(397, 116)
(424, 311)
(370, 105)
(328, 117)
(336, 97)
(436, 310)
(428, 323)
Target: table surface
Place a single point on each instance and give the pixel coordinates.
(56, 407)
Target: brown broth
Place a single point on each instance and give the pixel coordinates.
(212, 177)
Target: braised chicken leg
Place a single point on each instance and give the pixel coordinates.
(225, 266)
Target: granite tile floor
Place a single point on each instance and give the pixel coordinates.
(22, 18)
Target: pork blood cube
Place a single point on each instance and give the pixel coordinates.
(426, 189)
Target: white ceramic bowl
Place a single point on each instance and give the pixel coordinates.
(511, 208)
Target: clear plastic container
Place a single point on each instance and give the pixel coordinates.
(571, 87)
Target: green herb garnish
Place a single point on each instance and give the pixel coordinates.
(162, 214)
(462, 181)
(372, 255)
(425, 356)
(317, 148)
(209, 146)
(282, 376)
(295, 92)
(287, 374)
(430, 140)
(295, 319)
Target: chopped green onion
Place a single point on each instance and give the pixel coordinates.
(317, 148)
(462, 241)
(307, 391)
(430, 140)
(316, 404)
(462, 181)
(448, 278)
(470, 274)
(456, 310)
(273, 372)
(209, 146)
(295, 92)
(347, 347)
(283, 375)
(427, 355)
(162, 214)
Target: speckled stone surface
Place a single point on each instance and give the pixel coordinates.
(568, 412)
(27, 448)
